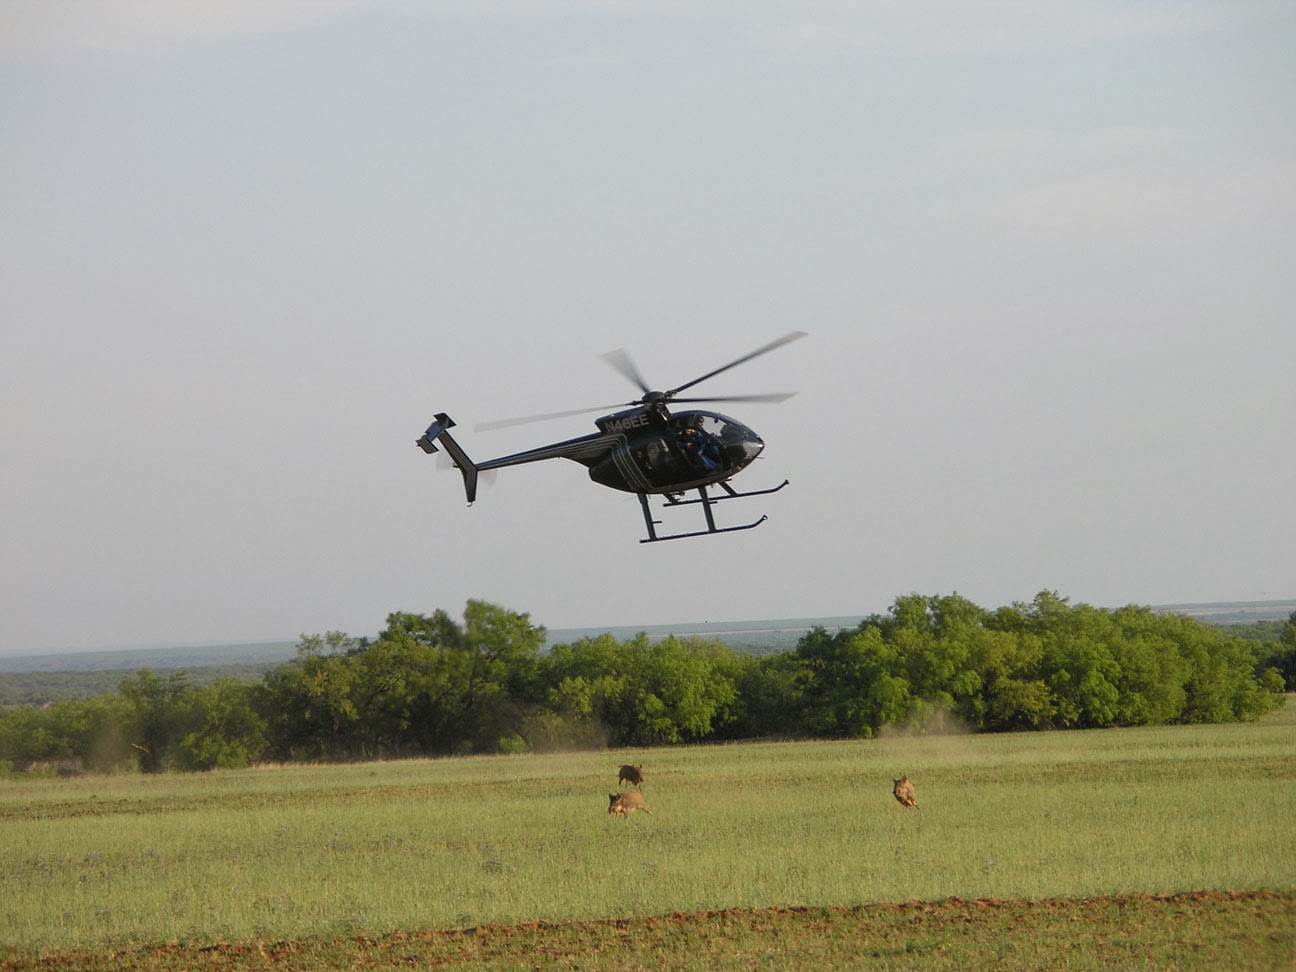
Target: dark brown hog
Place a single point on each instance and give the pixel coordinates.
(632, 775)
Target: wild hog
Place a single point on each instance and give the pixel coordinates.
(624, 804)
(632, 775)
(904, 792)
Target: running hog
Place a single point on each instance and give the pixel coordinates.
(624, 804)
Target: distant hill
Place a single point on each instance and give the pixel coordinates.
(38, 679)
(741, 635)
(755, 637)
(133, 659)
(1234, 612)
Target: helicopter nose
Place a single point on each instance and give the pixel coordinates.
(751, 447)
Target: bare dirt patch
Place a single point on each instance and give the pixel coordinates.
(1199, 930)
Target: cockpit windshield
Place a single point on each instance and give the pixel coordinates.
(724, 430)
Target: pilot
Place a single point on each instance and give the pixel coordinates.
(699, 447)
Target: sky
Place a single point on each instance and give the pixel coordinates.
(1044, 255)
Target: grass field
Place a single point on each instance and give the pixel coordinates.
(1052, 843)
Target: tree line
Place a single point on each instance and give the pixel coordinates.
(429, 685)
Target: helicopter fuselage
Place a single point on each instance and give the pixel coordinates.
(653, 453)
(648, 450)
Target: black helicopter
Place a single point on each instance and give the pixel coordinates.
(644, 449)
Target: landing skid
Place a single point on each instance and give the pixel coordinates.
(707, 501)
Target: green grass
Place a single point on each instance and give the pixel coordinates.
(385, 849)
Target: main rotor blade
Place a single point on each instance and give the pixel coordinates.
(768, 397)
(785, 339)
(528, 419)
(621, 361)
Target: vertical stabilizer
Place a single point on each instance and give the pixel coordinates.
(439, 431)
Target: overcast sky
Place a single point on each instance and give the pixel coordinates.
(1044, 253)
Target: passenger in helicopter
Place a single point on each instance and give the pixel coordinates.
(699, 447)
(657, 463)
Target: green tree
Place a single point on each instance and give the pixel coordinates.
(1147, 648)
(445, 688)
(502, 683)
(585, 692)
(1221, 683)
(89, 732)
(413, 682)
(768, 702)
(1081, 674)
(852, 683)
(937, 650)
(160, 713)
(228, 732)
(637, 692)
(309, 704)
(1012, 693)
(680, 692)
(1281, 657)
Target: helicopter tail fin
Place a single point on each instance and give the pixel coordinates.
(439, 431)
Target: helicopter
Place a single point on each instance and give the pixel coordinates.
(644, 448)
